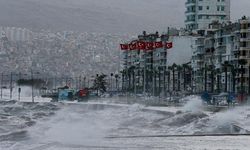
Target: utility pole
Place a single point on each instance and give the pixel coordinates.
(1, 85)
(11, 78)
(32, 86)
(145, 75)
(19, 88)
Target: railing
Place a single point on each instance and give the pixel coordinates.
(190, 2)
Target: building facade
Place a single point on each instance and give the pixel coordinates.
(158, 71)
(200, 13)
(221, 57)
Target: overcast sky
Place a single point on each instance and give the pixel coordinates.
(112, 16)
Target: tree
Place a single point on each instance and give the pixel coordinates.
(179, 69)
(123, 72)
(225, 67)
(173, 69)
(168, 75)
(100, 83)
(211, 69)
(131, 72)
(116, 81)
(170, 68)
(242, 62)
(186, 69)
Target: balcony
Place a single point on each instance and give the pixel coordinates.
(200, 61)
(190, 3)
(191, 21)
(244, 48)
(245, 30)
(244, 57)
(220, 44)
(200, 52)
(190, 12)
(247, 39)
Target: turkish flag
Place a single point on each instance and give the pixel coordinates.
(169, 45)
(149, 46)
(141, 45)
(124, 46)
(158, 44)
(132, 46)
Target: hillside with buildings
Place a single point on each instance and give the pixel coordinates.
(61, 53)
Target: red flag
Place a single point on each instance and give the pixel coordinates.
(149, 46)
(141, 45)
(169, 45)
(132, 46)
(124, 46)
(158, 44)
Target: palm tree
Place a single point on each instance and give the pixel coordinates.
(168, 73)
(217, 71)
(131, 72)
(225, 67)
(211, 68)
(233, 72)
(155, 72)
(205, 69)
(179, 69)
(148, 77)
(159, 77)
(116, 81)
(173, 69)
(123, 72)
(184, 66)
(242, 62)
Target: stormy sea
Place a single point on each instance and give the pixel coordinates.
(107, 125)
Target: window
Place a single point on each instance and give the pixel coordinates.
(200, 7)
(243, 35)
(207, 7)
(218, 8)
(243, 44)
(244, 53)
(222, 8)
(200, 17)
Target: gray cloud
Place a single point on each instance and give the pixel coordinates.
(115, 16)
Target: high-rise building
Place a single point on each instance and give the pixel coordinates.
(200, 13)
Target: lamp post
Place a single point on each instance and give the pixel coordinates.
(11, 89)
(1, 85)
(19, 88)
(32, 85)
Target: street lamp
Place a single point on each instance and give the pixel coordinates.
(1, 85)
(32, 85)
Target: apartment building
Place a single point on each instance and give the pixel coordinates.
(221, 57)
(200, 13)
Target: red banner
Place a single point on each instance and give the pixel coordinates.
(132, 46)
(158, 44)
(141, 45)
(149, 46)
(169, 45)
(124, 46)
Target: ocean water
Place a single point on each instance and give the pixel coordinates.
(61, 126)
